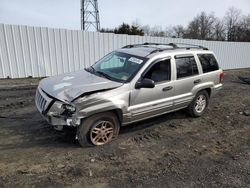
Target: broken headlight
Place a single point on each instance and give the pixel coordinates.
(69, 109)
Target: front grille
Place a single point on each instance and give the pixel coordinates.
(42, 101)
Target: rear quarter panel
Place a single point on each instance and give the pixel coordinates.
(210, 79)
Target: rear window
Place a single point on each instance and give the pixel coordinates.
(186, 66)
(208, 62)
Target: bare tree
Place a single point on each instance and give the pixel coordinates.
(169, 31)
(178, 31)
(232, 22)
(146, 29)
(206, 25)
(201, 27)
(193, 30)
(157, 31)
(219, 32)
(246, 26)
(243, 30)
(233, 27)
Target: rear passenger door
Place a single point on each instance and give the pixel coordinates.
(187, 77)
(210, 68)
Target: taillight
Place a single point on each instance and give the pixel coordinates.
(222, 77)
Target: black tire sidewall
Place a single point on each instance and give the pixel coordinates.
(191, 108)
(87, 125)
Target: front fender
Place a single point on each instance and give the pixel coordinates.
(102, 107)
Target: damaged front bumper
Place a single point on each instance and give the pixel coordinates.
(55, 121)
(59, 122)
(54, 111)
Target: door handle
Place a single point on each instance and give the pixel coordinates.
(167, 88)
(197, 81)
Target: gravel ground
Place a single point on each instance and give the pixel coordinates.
(173, 150)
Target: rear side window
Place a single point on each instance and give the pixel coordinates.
(186, 66)
(208, 62)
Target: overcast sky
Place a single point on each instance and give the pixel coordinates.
(66, 13)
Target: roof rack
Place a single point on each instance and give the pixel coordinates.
(192, 46)
(171, 45)
(162, 44)
(147, 44)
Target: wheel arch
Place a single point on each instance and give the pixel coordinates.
(117, 111)
(208, 90)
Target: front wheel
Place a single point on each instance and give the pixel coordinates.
(98, 129)
(199, 104)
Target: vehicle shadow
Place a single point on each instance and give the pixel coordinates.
(33, 131)
(155, 121)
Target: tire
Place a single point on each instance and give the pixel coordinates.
(98, 129)
(201, 99)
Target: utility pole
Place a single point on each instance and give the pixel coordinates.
(90, 15)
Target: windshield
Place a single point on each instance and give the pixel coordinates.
(118, 66)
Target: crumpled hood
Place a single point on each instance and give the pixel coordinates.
(67, 87)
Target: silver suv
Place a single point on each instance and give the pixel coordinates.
(129, 85)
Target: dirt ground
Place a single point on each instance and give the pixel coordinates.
(173, 150)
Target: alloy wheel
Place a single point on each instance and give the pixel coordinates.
(200, 103)
(102, 132)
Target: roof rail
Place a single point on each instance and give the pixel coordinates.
(161, 44)
(172, 45)
(129, 46)
(192, 46)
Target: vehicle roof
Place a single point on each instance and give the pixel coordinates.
(142, 51)
(151, 50)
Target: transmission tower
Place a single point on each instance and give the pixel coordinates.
(90, 15)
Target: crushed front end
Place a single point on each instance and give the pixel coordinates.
(56, 112)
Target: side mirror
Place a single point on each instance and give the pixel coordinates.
(145, 83)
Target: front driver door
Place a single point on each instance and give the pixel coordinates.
(149, 102)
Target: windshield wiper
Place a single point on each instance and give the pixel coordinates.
(90, 69)
(104, 75)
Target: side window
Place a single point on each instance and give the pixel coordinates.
(208, 62)
(160, 72)
(186, 66)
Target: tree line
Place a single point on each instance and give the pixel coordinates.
(234, 26)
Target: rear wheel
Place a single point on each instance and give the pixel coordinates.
(98, 129)
(199, 104)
